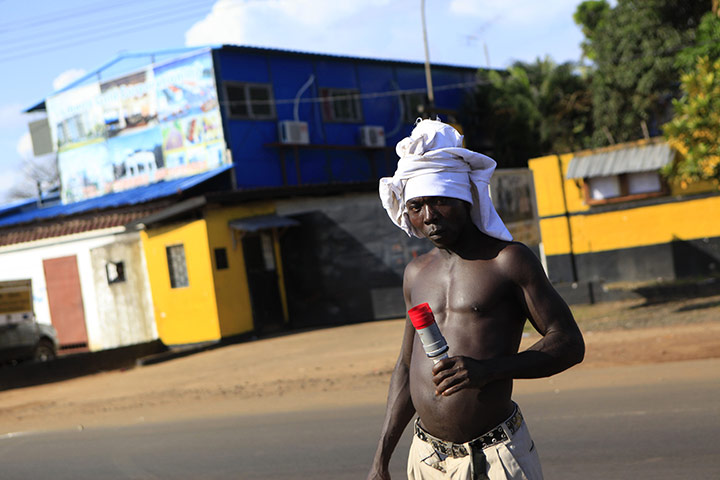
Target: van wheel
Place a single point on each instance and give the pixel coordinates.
(44, 351)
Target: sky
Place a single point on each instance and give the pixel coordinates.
(45, 45)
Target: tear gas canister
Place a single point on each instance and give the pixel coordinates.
(432, 340)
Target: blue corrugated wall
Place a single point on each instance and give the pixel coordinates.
(260, 165)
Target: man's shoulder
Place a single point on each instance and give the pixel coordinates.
(517, 260)
(418, 263)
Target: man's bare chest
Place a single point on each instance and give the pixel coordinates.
(473, 287)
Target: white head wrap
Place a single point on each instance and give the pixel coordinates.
(434, 163)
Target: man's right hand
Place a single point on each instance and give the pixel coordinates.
(453, 374)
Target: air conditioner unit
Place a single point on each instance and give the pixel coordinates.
(372, 136)
(291, 131)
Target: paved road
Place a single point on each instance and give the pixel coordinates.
(651, 432)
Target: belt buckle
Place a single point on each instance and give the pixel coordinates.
(459, 450)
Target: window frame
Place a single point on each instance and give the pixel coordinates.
(624, 196)
(248, 101)
(220, 257)
(176, 280)
(409, 100)
(328, 94)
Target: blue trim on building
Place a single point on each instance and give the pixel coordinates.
(135, 196)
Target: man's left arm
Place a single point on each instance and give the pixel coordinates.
(560, 347)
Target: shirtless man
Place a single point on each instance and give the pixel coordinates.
(481, 287)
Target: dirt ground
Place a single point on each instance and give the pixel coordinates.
(346, 366)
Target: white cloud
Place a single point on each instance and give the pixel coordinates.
(459, 31)
(291, 24)
(11, 116)
(521, 13)
(7, 181)
(24, 146)
(67, 77)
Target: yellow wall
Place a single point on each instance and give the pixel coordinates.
(231, 286)
(651, 225)
(623, 228)
(554, 235)
(187, 314)
(553, 203)
(549, 183)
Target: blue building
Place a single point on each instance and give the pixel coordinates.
(281, 118)
(327, 119)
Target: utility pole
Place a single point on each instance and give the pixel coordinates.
(428, 75)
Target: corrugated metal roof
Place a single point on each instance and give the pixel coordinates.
(284, 51)
(262, 222)
(134, 196)
(15, 206)
(641, 158)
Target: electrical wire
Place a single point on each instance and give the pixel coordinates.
(66, 14)
(48, 37)
(112, 27)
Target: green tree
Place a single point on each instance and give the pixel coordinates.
(634, 46)
(694, 131)
(707, 43)
(528, 111)
(588, 15)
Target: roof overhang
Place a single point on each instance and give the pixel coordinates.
(262, 222)
(640, 158)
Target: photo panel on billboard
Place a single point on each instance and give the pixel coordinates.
(76, 117)
(85, 172)
(136, 159)
(161, 122)
(193, 144)
(185, 87)
(129, 103)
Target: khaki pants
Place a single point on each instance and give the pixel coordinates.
(513, 459)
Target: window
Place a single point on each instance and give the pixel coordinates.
(268, 251)
(249, 101)
(341, 105)
(177, 266)
(412, 103)
(115, 272)
(643, 182)
(221, 260)
(623, 187)
(602, 188)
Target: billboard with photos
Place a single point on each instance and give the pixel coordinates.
(162, 122)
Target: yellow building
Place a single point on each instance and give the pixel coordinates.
(608, 215)
(215, 270)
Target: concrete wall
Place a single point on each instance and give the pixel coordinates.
(133, 325)
(345, 263)
(125, 311)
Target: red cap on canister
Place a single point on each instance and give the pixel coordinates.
(421, 316)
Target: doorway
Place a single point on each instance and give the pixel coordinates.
(262, 275)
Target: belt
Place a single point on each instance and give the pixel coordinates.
(456, 450)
